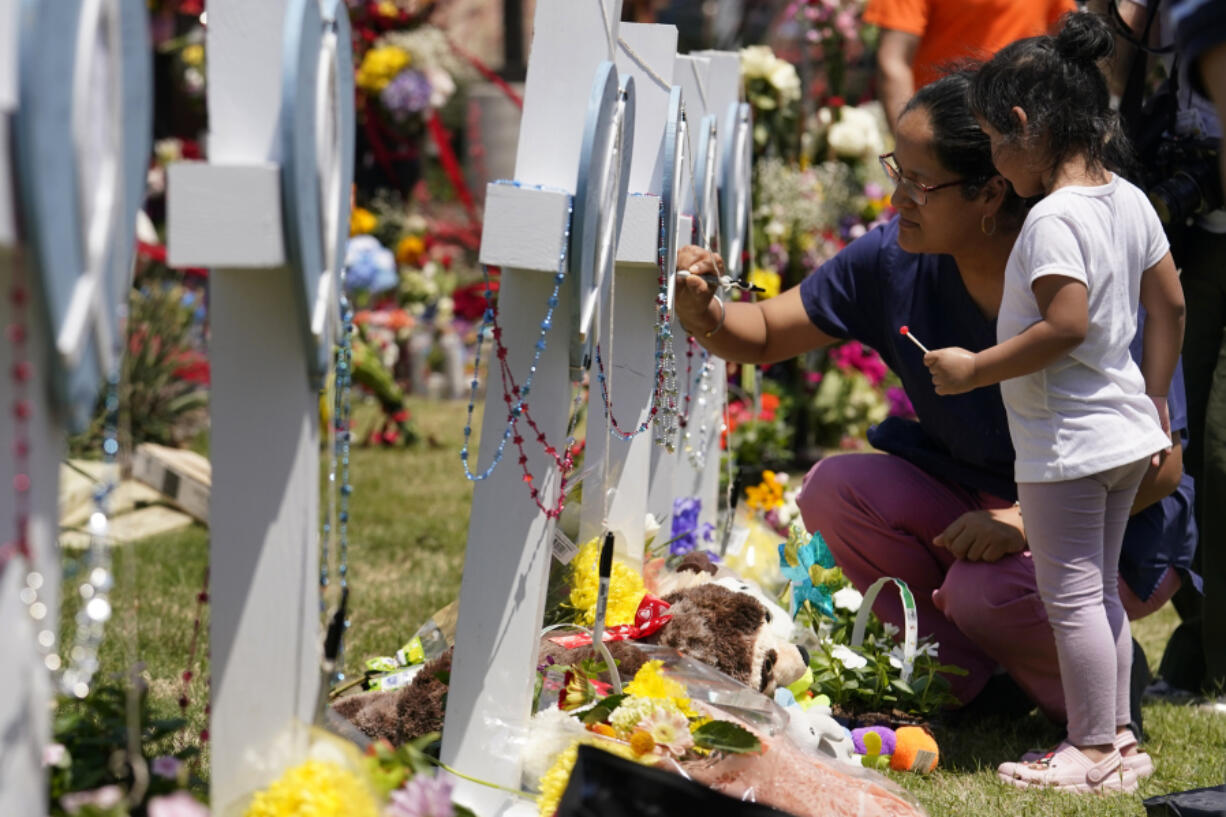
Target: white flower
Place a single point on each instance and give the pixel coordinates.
(855, 135)
(550, 731)
(442, 86)
(650, 528)
(849, 658)
(785, 79)
(889, 628)
(848, 598)
(757, 61)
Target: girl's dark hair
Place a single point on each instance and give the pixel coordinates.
(1057, 82)
(960, 144)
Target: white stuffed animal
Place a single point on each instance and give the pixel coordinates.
(815, 732)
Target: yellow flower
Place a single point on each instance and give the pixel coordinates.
(768, 280)
(314, 789)
(380, 66)
(362, 221)
(409, 249)
(387, 9)
(553, 784)
(642, 742)
(192, 54)
(649, 682)
(766, 495)
(626, 588)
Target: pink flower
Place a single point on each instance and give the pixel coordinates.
(178, 804)
(103, 799)
(54, 754)
(669, 729)
(423, 796)
(900, 404)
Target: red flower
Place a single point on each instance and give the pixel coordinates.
(469, 301)
(193, 367)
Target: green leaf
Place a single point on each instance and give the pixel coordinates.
(723, 736)
(602, 710)
(902, 686)
(950, 669)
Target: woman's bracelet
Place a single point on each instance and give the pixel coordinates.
(723, 313)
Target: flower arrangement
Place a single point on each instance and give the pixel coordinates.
(408, 79)
(866, 678)
(863, 678)
(686, 530)
(626, 589)
(336, 781)
(315, 788)
(762, 436)
(772, 87)
(836, 38)
(855, 391)
(774, 500)
(651, 721)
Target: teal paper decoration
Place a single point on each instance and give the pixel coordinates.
(808, 567)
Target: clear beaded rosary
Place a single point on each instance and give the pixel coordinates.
(662, 413)
(75, 678)
(336, 510)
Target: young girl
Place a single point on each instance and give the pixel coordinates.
(1085, 420)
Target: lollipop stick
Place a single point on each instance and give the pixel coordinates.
(907, 334)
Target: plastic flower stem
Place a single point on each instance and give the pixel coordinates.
(472, 779)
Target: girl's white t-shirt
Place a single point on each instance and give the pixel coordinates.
(1087, 412)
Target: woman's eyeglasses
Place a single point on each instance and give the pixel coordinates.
(916, 191)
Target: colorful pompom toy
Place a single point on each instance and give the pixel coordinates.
(884, 732)
(915, 750)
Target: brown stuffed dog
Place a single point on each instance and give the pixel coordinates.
(400, 715)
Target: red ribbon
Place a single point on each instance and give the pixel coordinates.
(451, 165)
(487, 72)
(650, 617)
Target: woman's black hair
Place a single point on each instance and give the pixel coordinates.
(1057, 82)
(960, 144)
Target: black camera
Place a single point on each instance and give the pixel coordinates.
(1183, 178)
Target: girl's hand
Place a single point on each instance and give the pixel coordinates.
(953, 370)
(1164, 417)
(694, 294)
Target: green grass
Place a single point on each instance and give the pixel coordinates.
(410, 513)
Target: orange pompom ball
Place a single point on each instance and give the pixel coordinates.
(914, 751)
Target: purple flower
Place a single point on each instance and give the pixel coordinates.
(165, 766)
(423, 796)
(685, 525)
(178, 804)
(408, 93)
(900, 404)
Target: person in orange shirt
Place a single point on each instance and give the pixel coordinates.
(918, 37)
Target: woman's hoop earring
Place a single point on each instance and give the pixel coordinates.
(983, 225)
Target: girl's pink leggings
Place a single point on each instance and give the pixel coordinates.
(1075, 529)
